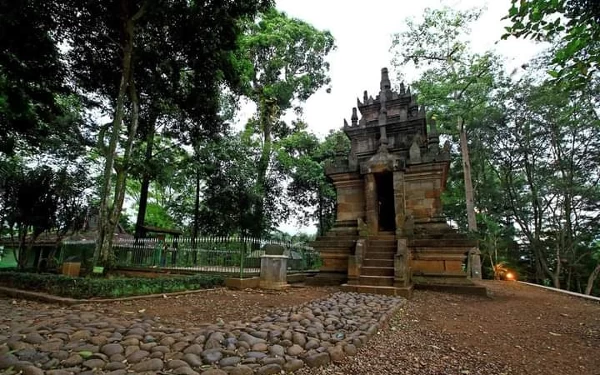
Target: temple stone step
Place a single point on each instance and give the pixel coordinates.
(382, 242)
(440, 249)
(376, 280)
(441, 274)
(339, 242)
(377, 271)
(441, 235)
(385, 290)
(382, 249)
(379, 255)
(367, 262)
(381, 238)
(439, 256)
(430, 242)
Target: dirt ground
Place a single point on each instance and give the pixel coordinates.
(518, 330)
(533, 331)
(208, 307)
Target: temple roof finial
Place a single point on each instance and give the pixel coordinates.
(385, 80)
(354, 117)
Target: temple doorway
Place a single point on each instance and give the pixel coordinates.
(385, 201)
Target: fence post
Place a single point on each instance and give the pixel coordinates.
(242, 256)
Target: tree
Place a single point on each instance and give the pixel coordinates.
(119, 41)
(284, 64)
(38, 200)
(546, 152)
(302, 157)
(228, 195)
(31, 73)
(577, 22)
(456, 83)
(453, 78)
(595, 272)
(38, 109)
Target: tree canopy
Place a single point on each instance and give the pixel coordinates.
(573, 24)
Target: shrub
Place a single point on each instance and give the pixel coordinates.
(80, 287)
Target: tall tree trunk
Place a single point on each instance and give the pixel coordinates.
(104, 233)
(556, 274)
(591, 279)
(321, 219)
(122, 173)
(141, 215)
(469, 195)
(21, 253)
(196, 225)
(266, 115)
(109, 216)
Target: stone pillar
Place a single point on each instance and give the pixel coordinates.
(273, 272)
(402, 270)
(475, 263)
(399, 202)
(355, 262)
(372, 206)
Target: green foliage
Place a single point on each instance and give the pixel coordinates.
(573, 24)
(460, 89)
(40, 199)
(302, 157)
(282, 60)
(32, 76)
(7, 259)
(546, 154)
(228, 169)
(85, 288)
(454, 82)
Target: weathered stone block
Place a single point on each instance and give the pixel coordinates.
(273, 272)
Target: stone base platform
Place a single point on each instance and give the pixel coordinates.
(326, 279)
(405, 292)
(452, 286)
(273, 285)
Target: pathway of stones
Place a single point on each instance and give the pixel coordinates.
(69, 341)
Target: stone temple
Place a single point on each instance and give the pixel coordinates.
(389, 234)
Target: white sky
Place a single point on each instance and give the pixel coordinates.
(363, 32)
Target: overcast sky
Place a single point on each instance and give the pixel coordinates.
(363, 33)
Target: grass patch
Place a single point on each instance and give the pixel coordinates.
(8, 259)
(89, 287)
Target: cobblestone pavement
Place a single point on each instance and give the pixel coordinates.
(47, 339)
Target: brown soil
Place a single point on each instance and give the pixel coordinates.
(212, 306)
(519, 330)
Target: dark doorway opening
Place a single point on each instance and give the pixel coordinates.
(385, 200)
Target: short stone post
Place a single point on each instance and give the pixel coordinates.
(475, 263)
(355, 262)
(273, 268)
(402, 271)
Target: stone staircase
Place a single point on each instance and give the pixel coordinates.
(377, 268)
(378, 261)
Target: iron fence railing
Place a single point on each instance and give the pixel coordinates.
(226, 255)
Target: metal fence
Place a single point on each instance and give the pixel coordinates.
(225, 255)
